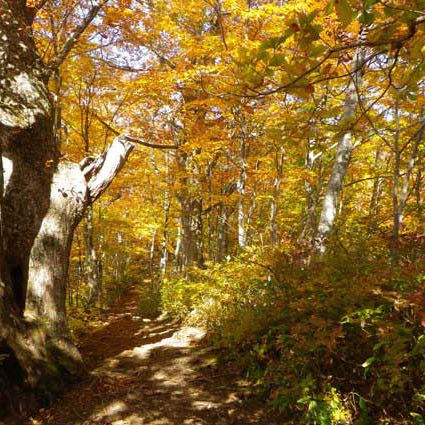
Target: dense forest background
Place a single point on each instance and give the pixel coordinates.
(275, 192)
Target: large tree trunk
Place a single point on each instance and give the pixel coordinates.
(49, 257)
(42, 336)
(41, 203)
(75, 187)
(190, 217)
(192, 226)
(30, 156)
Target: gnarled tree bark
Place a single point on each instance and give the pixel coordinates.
(74, 188)
(42, 201)
(30, 157)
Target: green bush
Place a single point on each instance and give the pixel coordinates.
(232, 301)
(336, 342)
(149, 304)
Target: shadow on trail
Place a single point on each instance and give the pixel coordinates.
(152, 372)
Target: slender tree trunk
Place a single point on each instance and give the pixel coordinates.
(210, 217)
(380, 159)
(418, 186)
(279, 158)
(152, 248)
(252, 206)
(241, 188)
(401, 189)
(57, 115)
(164, 244)
(313, 161)
(198, 230)
(343, 155)
(167, 207)
(92, 262)
(80, 269)
(187, 234)
(178, 266)
(222, 233)
(396, 207)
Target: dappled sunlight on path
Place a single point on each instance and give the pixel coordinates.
(153, 372)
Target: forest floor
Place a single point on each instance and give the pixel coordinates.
(156, 372)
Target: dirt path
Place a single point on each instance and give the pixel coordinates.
(152, 372)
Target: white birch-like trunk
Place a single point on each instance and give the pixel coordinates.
(252, 206)
(178, 265)
(167, 207)
(280, 156)
(342, 159)
(152, 248)
(241, 189)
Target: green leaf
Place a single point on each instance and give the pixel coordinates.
(418, 419)
(329, 7)
(273, 43)
(362, 405)
(404, 331)
(367, 4)
(310, 17)
(344, 12)
(380, 344)
(389, 11)
(369, 362)
(367, 18)
(364, 418)
(307, 19)
(277, 60)
(263, 55)
(419, 397)
(318, 50)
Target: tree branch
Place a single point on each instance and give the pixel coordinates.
(131, 138)
(100, 171)
(77, 33)
(397, 41)
(114, 65)
(147, 144)
(41, 4)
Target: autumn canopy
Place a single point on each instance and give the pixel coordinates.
(260, 161)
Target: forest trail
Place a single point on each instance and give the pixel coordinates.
(154, 372)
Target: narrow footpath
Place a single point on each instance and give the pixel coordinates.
(154, 372)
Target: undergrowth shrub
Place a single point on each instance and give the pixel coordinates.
(81, 316)
(336, 342)
(232, 301)
(149, 304)
(115, 289)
